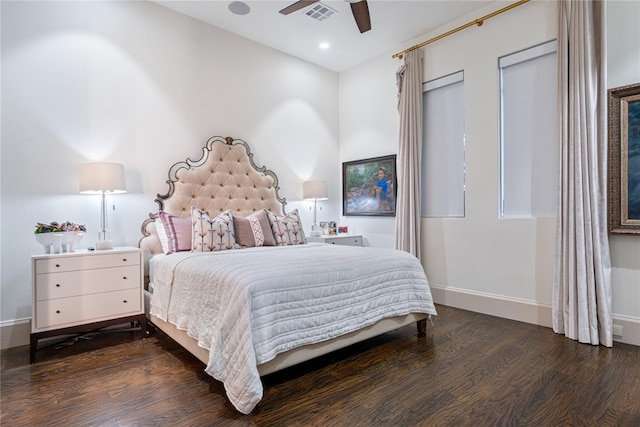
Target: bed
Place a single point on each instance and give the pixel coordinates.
(231, 277)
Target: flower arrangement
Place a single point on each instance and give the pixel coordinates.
(54, 227)
(55, 237)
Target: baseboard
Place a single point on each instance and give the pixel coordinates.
(521, 310)
(631, 329)
(14, 333)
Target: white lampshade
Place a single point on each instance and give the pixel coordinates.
(314, 190)
(99, 177)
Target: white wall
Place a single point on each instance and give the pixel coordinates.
(498, 266)
(369, 128)
(135, 83)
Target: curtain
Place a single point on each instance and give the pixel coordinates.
(407, 228)
(582, 279)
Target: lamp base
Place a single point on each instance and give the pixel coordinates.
(104, 244)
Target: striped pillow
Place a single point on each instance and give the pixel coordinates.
(178, 233)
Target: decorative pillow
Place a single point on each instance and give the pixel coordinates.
(162, 235)
(254, 230)
(287, 229)
(215, 234)
(178, 231)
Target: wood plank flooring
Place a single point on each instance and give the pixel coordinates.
(469, 370)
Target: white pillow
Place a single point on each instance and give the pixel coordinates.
(162, 235)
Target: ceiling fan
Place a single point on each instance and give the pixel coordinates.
(359, 8)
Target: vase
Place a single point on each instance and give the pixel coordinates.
(60, 241)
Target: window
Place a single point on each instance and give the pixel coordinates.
(442, 189)
(529, 133)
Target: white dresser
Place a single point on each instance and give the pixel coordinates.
(82, 291)
(339, 239)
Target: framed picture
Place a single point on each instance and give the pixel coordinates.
(624, 159)
(369, 187)
(328, 228)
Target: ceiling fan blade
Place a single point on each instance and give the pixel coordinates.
(297, 6)
(361, 14)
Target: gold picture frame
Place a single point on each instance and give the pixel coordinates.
(369, 186)
(624, 159)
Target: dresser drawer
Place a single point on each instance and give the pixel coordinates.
(85, 282)
(86, 308)
(346, 241)
(71, 263)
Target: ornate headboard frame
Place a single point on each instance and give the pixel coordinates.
(226, 177)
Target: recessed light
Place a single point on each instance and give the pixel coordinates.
(239, 8)
(324, 45)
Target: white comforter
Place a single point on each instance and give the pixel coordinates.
(246, 306)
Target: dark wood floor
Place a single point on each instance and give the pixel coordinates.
(470, 370)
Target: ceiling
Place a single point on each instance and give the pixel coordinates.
(393, 24)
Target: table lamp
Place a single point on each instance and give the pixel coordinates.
(102, 178)
(314, 190)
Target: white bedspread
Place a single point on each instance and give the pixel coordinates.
(246, 306)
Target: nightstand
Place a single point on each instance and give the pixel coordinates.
(339, 239)
(82, 291)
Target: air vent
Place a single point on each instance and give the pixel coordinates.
(320, 12)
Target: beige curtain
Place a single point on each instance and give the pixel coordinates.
(409, 77)
(582, 279)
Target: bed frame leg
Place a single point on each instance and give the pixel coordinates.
(422, 327)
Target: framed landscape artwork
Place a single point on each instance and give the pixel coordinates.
(624, 159)
(369, 187)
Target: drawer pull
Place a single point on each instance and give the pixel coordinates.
(57, 285)
(125, 301)
(57, 265)
(124, 277)
(124, 260)
(57, 311)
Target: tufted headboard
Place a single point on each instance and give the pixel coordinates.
(226, 177)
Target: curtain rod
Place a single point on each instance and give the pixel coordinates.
(477, 22)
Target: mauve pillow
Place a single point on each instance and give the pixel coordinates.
(178, 232)
(287, 229)
(254, 230)
(209, 234)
